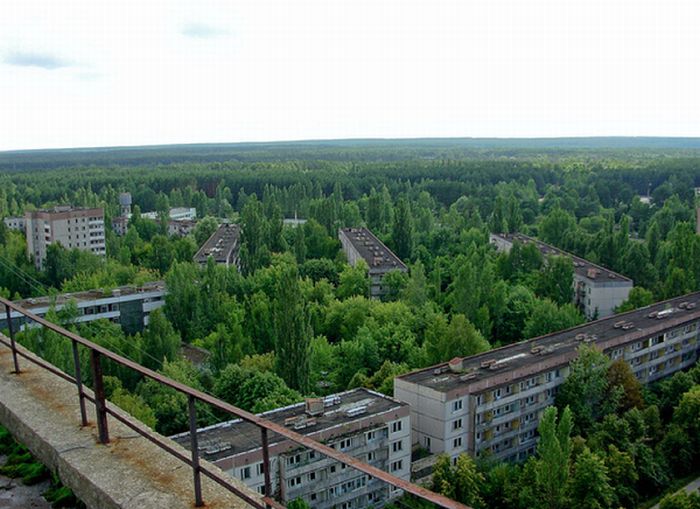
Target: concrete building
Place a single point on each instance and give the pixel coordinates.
(361, 244)
(128, 306)
(597, 290)
(493, 401)
(223, 246)
(175, 214)
(181, 227)
(73, 228)
(125, 204)
(362, 423)
(15, 223)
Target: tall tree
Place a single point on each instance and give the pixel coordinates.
(553, 456)
(402, 232)
(292, 330)
(590, 484)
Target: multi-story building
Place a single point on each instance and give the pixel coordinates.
(362, 423)
(596, 290)
(181, 227)
(128, 306)
(361, 244)
(493, 401)
(73, 228)
(223, 246)
(15, 223)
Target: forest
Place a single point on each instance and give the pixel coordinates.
(296, 320)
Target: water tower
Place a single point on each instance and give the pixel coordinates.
(125, 204)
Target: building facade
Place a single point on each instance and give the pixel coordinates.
(493, 401)
(362, 423)
(223, 246)
(128, 306)
(15, 223)
(73, 228)
(597, 291)
(361, 244)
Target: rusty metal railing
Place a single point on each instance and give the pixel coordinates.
(97, 353)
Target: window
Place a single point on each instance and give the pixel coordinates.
(245, 473)
(497, 394)
(261, 489)
(397, 446)
(259, 469)
(294, 481)
(345, 444)
(312, 455)
(332, 469)
(457, 442)
(479, 399)
(313, 496)
(396, 426)
(371, 456)
(294, 460)
(396, 465)
(457, 424)
(457, 405)
(426, 442)
(312, 476)
(371, 435)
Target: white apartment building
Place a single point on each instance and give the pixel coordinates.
(596, 290)
(493, 401)
(15, 223)
(73, 228)
(367, 425)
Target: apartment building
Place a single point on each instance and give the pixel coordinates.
(596, 290)
(362, 423)
(128, 306)
(493, 401)
(223, 246)
(15, 223)
(361, 244)
(175, 214)
(73, 228)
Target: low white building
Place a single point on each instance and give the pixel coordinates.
(15, 223)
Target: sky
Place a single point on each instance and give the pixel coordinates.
(86, 73)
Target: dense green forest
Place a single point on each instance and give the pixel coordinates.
(296, 321)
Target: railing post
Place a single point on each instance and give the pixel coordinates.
(198, 502)
(99, 389)
(266, 464)
(11, 330)
(79, 383)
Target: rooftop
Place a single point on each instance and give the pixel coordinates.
(373, 250)
(220, 245)
(582, 267)
(234, 437)
(491, 364)
(61, 209)
(90, 295)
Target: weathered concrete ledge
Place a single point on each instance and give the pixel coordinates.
(41, 410)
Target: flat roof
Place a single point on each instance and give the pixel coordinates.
(582, 267)
(373, 250)
(220, 245)
(478, 368)
(89, 295)
(235, 437)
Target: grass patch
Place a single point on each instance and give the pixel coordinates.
(20, 464)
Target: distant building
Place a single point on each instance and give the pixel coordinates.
(181, 227)
(73, 228)
(293, 222)
(175, 214)
(128, 306)
(597, 290)
(367, 425)
(361, 244)
(120, 225)
(492, 403)
(125, 204)
(16, 223)
(223, 246)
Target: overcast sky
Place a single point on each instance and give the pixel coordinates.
(98, 73)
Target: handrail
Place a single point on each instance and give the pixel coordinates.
(97, 351)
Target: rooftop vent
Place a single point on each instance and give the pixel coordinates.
(627, 326)
(358, 410)
(664, 314)
(683, 305)
(691, 305)
(331, 401)
(314, 406)
(456, 365)
(618, 325)
(468, 376)
(536, 349)
(488, 363)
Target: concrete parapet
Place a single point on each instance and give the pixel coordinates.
(41, 410)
